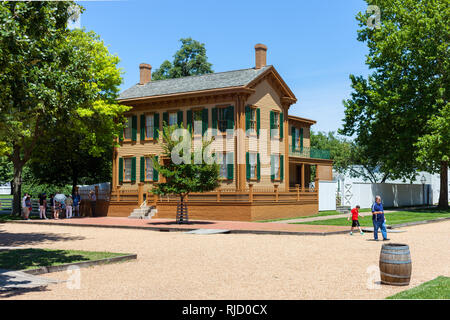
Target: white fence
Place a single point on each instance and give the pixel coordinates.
(392, 195)
(327, 195)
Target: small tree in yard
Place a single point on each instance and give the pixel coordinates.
(189, 175)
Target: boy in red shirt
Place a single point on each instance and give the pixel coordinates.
(355, 223)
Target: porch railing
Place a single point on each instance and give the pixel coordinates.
(223, 195)
(310, 153)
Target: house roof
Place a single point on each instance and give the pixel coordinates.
(219, 80)
(300, 119)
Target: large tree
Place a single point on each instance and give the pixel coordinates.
(44, 67)
(409, 58)
(189, 60)
(186, 169)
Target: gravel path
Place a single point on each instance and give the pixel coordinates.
(230, 266)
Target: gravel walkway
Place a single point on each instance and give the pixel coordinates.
(176, 265)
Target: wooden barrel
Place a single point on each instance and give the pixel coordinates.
(395, 264)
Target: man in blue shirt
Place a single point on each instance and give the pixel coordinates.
(379, 222)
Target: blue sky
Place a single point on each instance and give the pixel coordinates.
(312, 44)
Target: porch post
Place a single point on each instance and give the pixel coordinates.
(114, 169)
(303, 180)
(250, 192)
(218, 195)
(118, 192)
(297, 186)
(276, 192)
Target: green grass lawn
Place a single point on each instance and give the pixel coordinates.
(438, 288)
(391, 218)
(22, 259)
(320, 214)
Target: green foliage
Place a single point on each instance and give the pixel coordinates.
(52, 81)
(183, 178)
(434, 147)
(189, 60)
(389, 111)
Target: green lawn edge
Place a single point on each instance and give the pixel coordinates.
(392, 218)
(438, 288)
(34, 258)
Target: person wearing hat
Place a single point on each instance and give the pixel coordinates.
(93, 200)
(42, 205)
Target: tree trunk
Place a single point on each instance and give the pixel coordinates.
(16, 189)
(443, 196)
(74, 180)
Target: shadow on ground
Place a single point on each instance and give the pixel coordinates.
(34, 258)
(8, 239)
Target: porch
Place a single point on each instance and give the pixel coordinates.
(251, 204)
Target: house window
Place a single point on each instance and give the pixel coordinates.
(224, 161)
(276, 166)
(127, 163)
(276, 123)
(173, 118)
(148, 169)
(198, 122)
(127, 129)
(149, 125)
(253, 165)
(222, 117)
(253, 119)
(296, 139)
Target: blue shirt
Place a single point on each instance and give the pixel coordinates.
(76, 199)
(377, 207)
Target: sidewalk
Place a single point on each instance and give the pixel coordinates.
(171, 225)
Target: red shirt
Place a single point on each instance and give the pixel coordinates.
(355, 213)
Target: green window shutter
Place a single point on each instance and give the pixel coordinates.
(230, 120)
(230, 166)
(258, 120)
(281, 124)
(133, 128)
(155, 172)
(214, 119)
(281, 167)
(180, 118)
(272, 167)
(293, 138)
(189, 122)
(120, 170)
(205, 121)
(156, 126)
(133, 169)
(258, 167)
(166, 118)
(301, 139)
(247, 118)
(142, 169)
(247, 165)
(142, 127)
(272, 115)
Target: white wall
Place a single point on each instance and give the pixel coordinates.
(5, 189)
(327, 195)
(392, 195)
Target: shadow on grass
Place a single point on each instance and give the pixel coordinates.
(35, 258)
(8, 239)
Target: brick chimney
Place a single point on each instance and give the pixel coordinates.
(260, 55)
(145, 73)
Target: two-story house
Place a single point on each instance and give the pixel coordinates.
(267, 165)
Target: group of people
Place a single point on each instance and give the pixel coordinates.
(60, 205)
(378, 219)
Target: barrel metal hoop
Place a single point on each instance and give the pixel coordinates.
(394, 275)
(388, 247)
(396, 261)
(398, 253)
